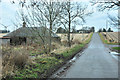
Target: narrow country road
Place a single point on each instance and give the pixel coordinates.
(96, 62)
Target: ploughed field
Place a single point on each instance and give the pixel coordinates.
(111, 37)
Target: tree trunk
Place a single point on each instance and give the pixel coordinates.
(50, 36)
(69, 42)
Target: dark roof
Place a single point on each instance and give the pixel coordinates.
(31, 31)
(61, 30)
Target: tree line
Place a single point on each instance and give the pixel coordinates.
(104, 30)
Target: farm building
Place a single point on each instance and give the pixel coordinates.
(86, 30)
(26, 35)
(61, 30)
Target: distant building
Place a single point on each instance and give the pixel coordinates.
(27, 34)
(86, 30)
(61, 30)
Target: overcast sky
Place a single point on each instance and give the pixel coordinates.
(98, 19)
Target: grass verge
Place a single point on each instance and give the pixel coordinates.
(43, 67)
(88, 40)
(103, 40)
(116, 48)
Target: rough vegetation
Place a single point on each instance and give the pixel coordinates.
(30, 61)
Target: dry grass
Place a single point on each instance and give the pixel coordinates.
(13, 58)
(55, 45)
(61, 49)
(77, 36)
(16, 57)
(77, 39)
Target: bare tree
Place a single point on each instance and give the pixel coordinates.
(50, 10)
(106, 4)
(42, 14)
(35, 23)
(5, 26)
(114, 20)
(109, 5)
(72, 12)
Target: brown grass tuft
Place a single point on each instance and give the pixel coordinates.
(12, 59)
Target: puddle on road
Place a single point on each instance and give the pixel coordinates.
(115, 55)
(62, 70)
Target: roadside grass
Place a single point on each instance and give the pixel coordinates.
(103, 40)
(116, 48)
(40, 69)
(106, 42)
(69, 53)
(42, 65)
(114, 43)
(89, 39)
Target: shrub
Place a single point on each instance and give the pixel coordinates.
(13, 59)
(20, 57)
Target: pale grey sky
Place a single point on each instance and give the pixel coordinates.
(98, 19)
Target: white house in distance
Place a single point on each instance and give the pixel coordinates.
(86, 30)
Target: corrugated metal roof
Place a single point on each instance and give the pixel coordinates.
(31, 31)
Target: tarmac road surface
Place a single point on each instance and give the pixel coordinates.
(96, 62)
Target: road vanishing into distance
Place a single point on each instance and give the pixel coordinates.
(95, 62)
